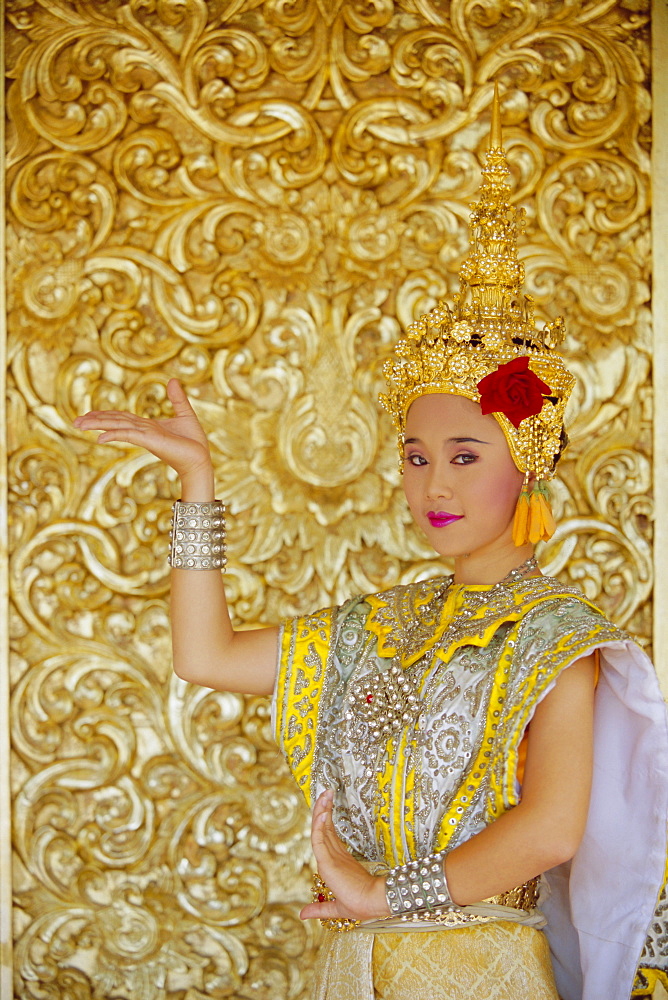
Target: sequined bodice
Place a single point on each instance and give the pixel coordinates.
(411, 704)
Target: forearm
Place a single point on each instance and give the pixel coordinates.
(201, 625)
(206, 648)
(202, 632)
(515, 848)
(503, 857)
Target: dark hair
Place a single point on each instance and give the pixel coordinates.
(563, 442)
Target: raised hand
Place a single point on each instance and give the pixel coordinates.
(179, 440)
(359, 895)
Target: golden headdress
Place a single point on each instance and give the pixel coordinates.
(486, 347)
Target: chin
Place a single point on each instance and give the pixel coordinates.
(448, 551)
(459, 548)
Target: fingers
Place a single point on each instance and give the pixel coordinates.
(323, 804)
(323, 911)
(113, 420)
(179, 441)
(322, 823)
(115, 426)
(94, 418)
(331, 854)
(359, 895)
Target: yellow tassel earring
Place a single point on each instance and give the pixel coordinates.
(534, 521)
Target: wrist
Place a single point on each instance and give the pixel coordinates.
(197, 535)
(419, 885)
(380, 904)
(198, 486)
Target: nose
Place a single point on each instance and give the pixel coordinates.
(438, 485)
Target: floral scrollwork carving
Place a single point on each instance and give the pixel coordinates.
(256, 198)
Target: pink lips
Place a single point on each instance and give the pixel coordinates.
(439, 519)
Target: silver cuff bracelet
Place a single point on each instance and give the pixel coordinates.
(197, 535)
(418, 885)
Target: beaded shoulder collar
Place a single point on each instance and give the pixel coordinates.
(411, 620)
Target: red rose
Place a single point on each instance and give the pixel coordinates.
(514, 390)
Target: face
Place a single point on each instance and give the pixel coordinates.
(459, 478)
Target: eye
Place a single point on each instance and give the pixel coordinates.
(415, 459)
(464, 458)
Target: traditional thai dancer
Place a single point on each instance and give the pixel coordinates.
(486, 755)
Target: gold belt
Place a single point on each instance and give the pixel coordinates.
(524, 897)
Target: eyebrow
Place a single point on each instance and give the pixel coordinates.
(453, 440)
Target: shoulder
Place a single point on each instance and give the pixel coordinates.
(558, 626)
(546, 599)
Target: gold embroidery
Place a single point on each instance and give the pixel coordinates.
(413, 620)
(304, 643)
(653, 965)
(495, 961)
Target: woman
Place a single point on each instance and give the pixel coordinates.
(444, 732)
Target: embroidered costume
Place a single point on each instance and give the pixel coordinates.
(413, 705)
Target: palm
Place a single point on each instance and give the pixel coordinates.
(356, 891)
(179, 440)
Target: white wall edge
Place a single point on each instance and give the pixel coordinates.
(660, 327)
(6, 935)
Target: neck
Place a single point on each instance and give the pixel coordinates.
(490, 568)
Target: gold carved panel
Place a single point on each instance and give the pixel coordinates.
(255, 197)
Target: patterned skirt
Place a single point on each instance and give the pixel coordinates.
(496, 961)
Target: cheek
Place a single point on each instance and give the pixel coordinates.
(507, 488)
(408, 487)
(413, 487)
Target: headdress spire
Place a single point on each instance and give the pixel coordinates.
(495, 140)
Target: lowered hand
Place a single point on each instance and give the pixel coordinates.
(359, 895)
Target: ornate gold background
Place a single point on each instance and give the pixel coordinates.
(254, 195)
